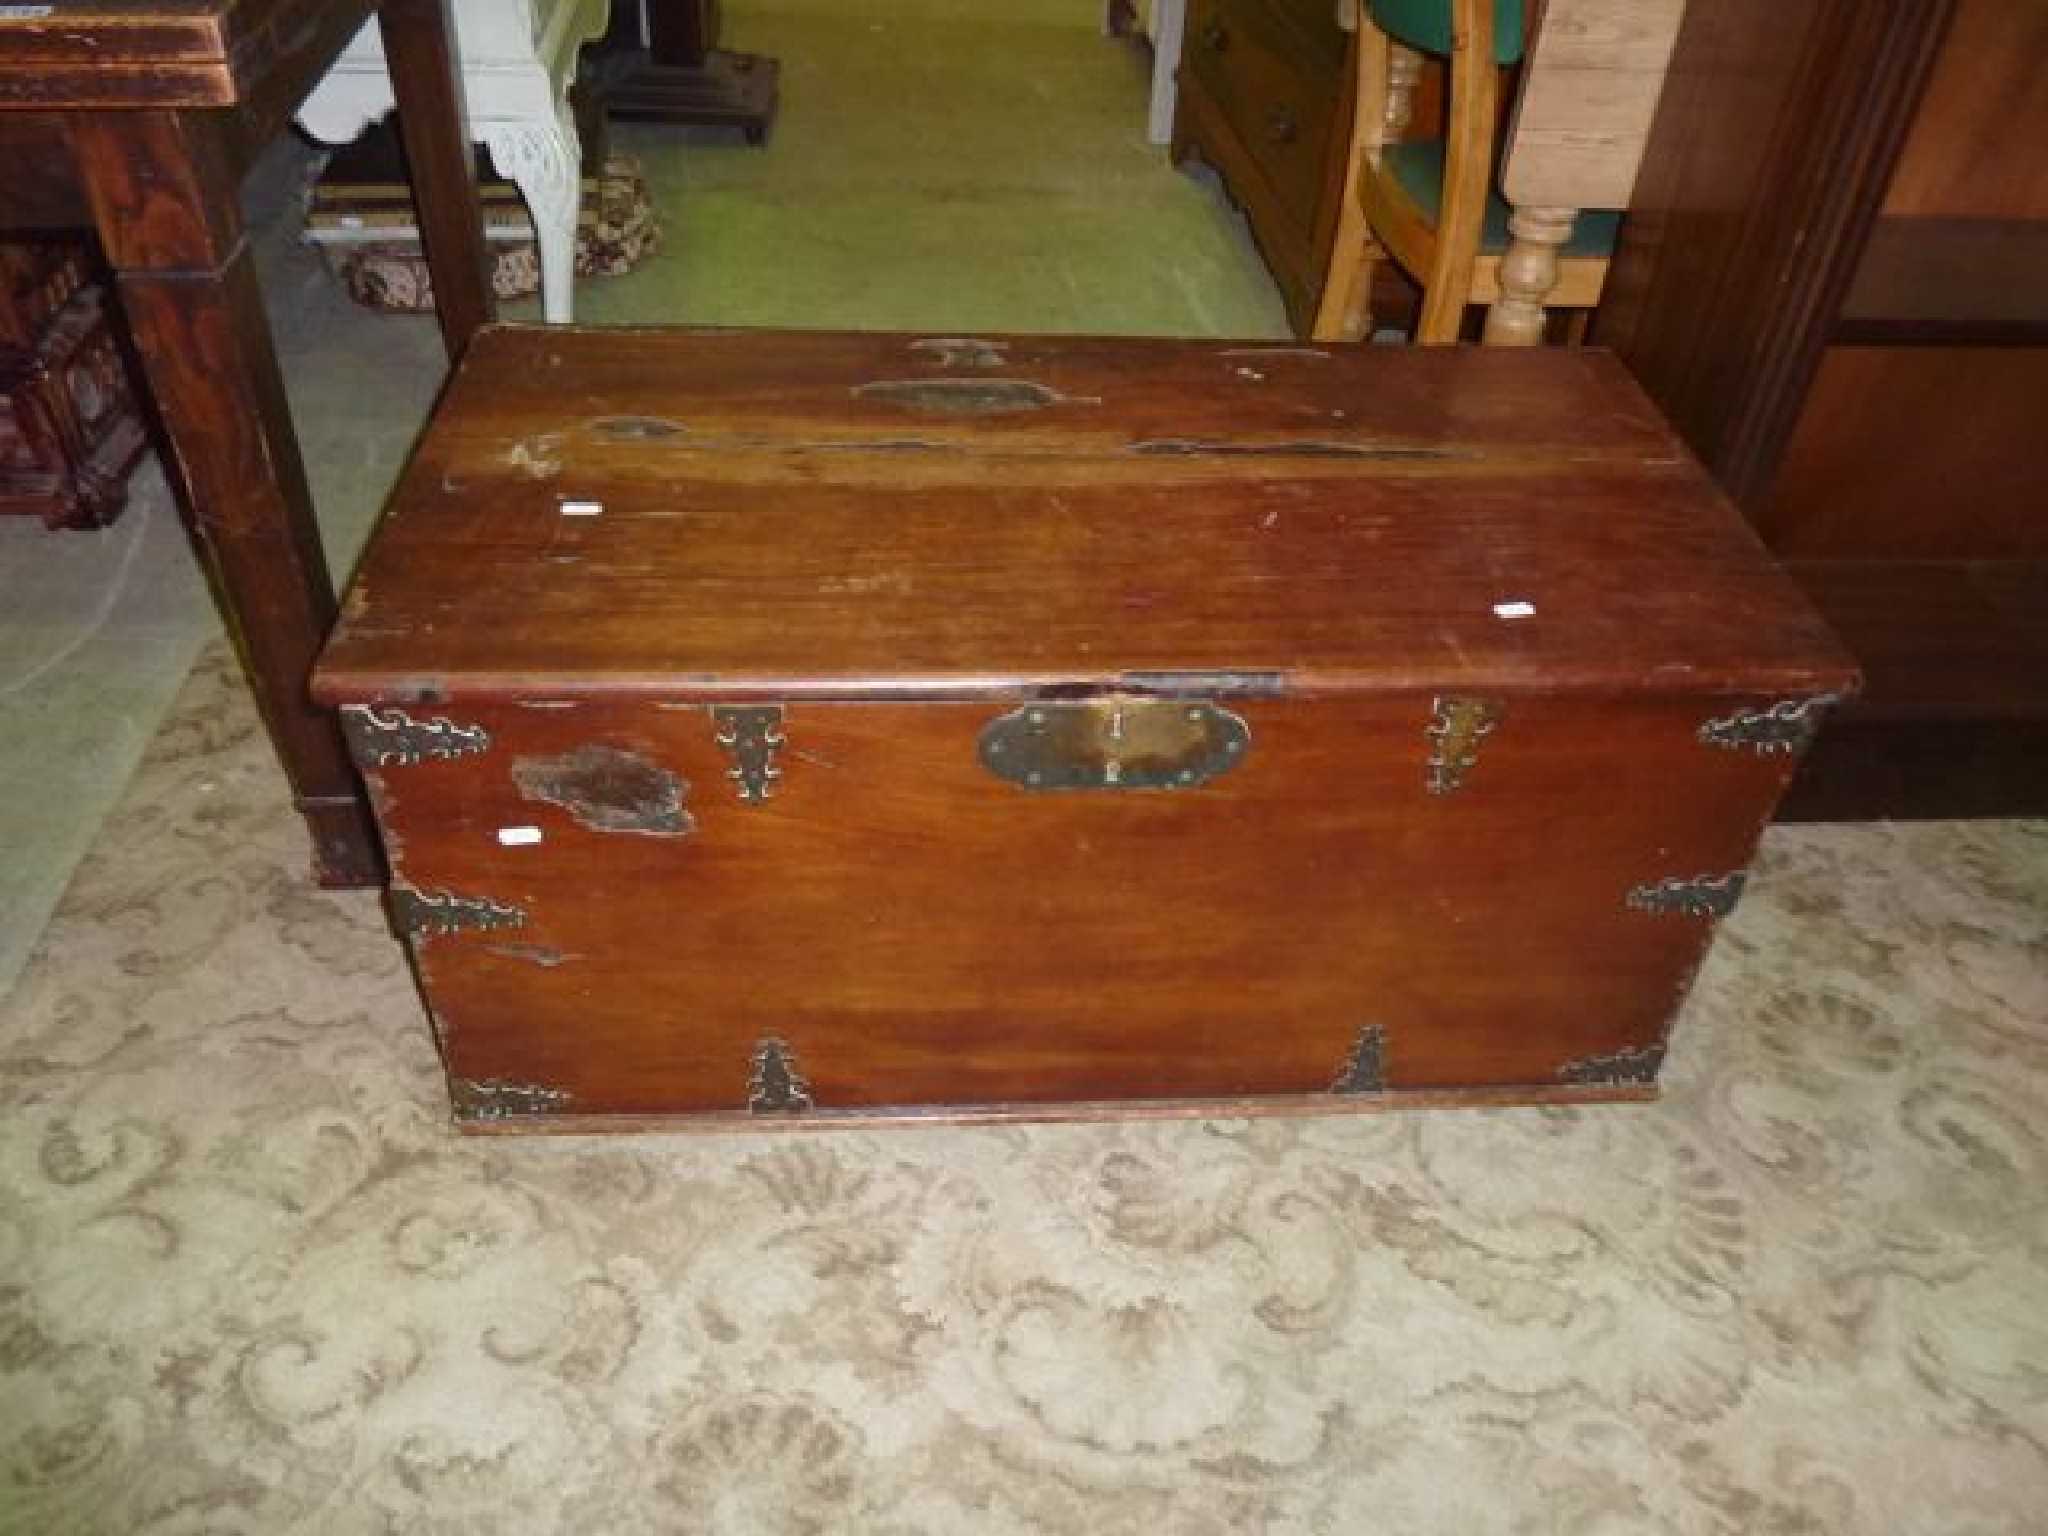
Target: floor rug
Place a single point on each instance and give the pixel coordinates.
(251, 1281)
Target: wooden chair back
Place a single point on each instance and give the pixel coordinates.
(1588, 90)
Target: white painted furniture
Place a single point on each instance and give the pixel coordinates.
(517, 58)
(1163, 22)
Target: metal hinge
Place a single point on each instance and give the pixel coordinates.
(1365, 1070)
(1788, 726)
(777, 1086)
(963, 351)
(1636, 1064)
(496, 1100)
(391, 738)
(752, 737)
(1701, 896)
(1456, 730)
(421, 913)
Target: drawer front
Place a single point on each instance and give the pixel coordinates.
(1359, 897)
(1278, 90)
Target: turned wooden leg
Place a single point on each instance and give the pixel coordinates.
(1528, 273)
(1404, 68)
(164, 202)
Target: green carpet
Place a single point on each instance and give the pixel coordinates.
(941, 165)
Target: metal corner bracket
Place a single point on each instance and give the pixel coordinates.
(1700, 896)
(1636, 1064)
(423, 913)
(1788, 726)
(493, 1099)
(390, 738)
(777, 1085)
(1365, 1070)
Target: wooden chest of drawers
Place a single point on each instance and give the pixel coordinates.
(1264, 100)
(860, 726)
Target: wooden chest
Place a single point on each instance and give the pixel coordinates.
(856, 726)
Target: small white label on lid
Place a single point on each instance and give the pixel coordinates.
(1515, 609)
(518, 837)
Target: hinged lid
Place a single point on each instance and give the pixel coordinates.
(775, 515)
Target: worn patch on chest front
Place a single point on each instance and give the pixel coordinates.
(608, 790)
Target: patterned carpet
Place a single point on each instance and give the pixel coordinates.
(251, 1282)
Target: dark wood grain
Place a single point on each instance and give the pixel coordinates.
(1977, 131)
(605, 537)
(1992, 613)
(949, 938)
(1771, 150)
(1831, 283)
(40, 193)
(158, 54)
(188, 286)
(1358, 518)
(1958, 282)
(1919, 452)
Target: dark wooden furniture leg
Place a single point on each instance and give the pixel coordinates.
(141, 118)
(164, 202)
(438, 159)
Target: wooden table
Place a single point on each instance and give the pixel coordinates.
(139, 119)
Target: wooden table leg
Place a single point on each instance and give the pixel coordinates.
(426, 84)
(1528, 274)
(164, 201)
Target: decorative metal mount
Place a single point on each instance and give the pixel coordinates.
(391, 738)
(1788, 726)
(777, 1086)
(1701, 896)
(1365, 1069)
(752, 736)
(496, 1100)
(1454, 736)
(950, 396)
(963, 351)
(1637, 1064)
(424, 913)
(1118, 741)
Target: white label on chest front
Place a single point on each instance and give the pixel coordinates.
(1514, 610)
(518, 837)
(582, 508)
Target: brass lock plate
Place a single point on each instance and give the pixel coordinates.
(1115, 741)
